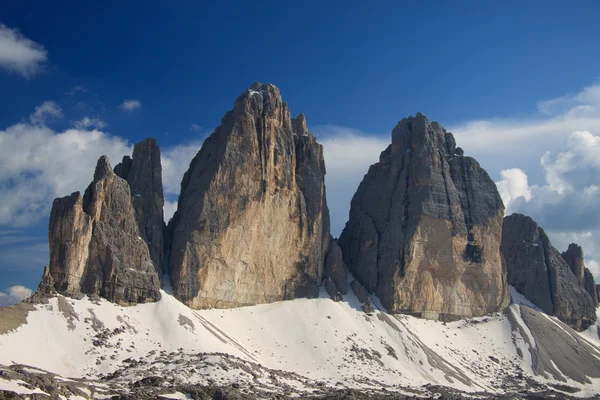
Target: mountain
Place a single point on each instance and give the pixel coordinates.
(537, 269)
(143, 173)
(426, 238)
(425, 227)
(252, 224)
(310, 348)
(96, 246)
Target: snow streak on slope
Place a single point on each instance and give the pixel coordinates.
(294, 346)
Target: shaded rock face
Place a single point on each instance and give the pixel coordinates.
(252, 224)
(425, 228)
(335, 268)
(143, 173)
(537, 270)
(574, 258)
(95, 244)
(46, 286)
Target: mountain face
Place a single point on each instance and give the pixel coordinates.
(537, 270)
(143, 173)
(574, 258)
(252, 224)
(425, 227)
(96, 246)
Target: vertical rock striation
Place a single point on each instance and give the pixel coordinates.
(537, 270)
(252, 224)
(95, 243)
(425, 228)
(574, 258)
(143, 173)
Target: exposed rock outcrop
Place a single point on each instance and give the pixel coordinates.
(537, 270)
(425, 228)
(335, 268)
(143, 173)
(575, 260)
(95, 244)
(46, 286)
(252, 224)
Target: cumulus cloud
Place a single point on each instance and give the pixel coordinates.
(38, 164)
(512, 186)
(130, 105)
(20, 54)
(14, 294)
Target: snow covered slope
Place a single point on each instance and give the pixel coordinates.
(301, 346)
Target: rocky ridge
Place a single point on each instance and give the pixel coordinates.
(541, 274)
(425, 228)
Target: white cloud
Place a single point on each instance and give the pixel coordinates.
(169, 210)
(195, 128)
(130, 105)
(14, 294)
(87, 123)
(20, 54)
(348, 154)
(76, 89)
(38, 164)
(175, 161)
(45, 112)
(512, 186)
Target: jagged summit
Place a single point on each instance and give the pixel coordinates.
(554, 283)
(96, 246)
(252, 224)
(425, 226)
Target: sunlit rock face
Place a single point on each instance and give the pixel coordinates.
(425, 228)
(252, 224)
(95, 244)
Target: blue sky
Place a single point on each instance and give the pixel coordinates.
(512, 80)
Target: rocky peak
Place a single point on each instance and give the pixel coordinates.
(537, 270)
(425, 226)
(143, 173)
(95, 244)
(575, 260)
(252, 224)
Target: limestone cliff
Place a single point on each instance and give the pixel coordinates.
(537, 270)
(252, 224)
(143, 173)
(95, 243)
(425, 228)
(574, 258)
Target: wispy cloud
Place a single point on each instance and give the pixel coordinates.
(87, 123)
(195, 128)
(45, 112)
(20, 54)
(131, 105)
(76, 89)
